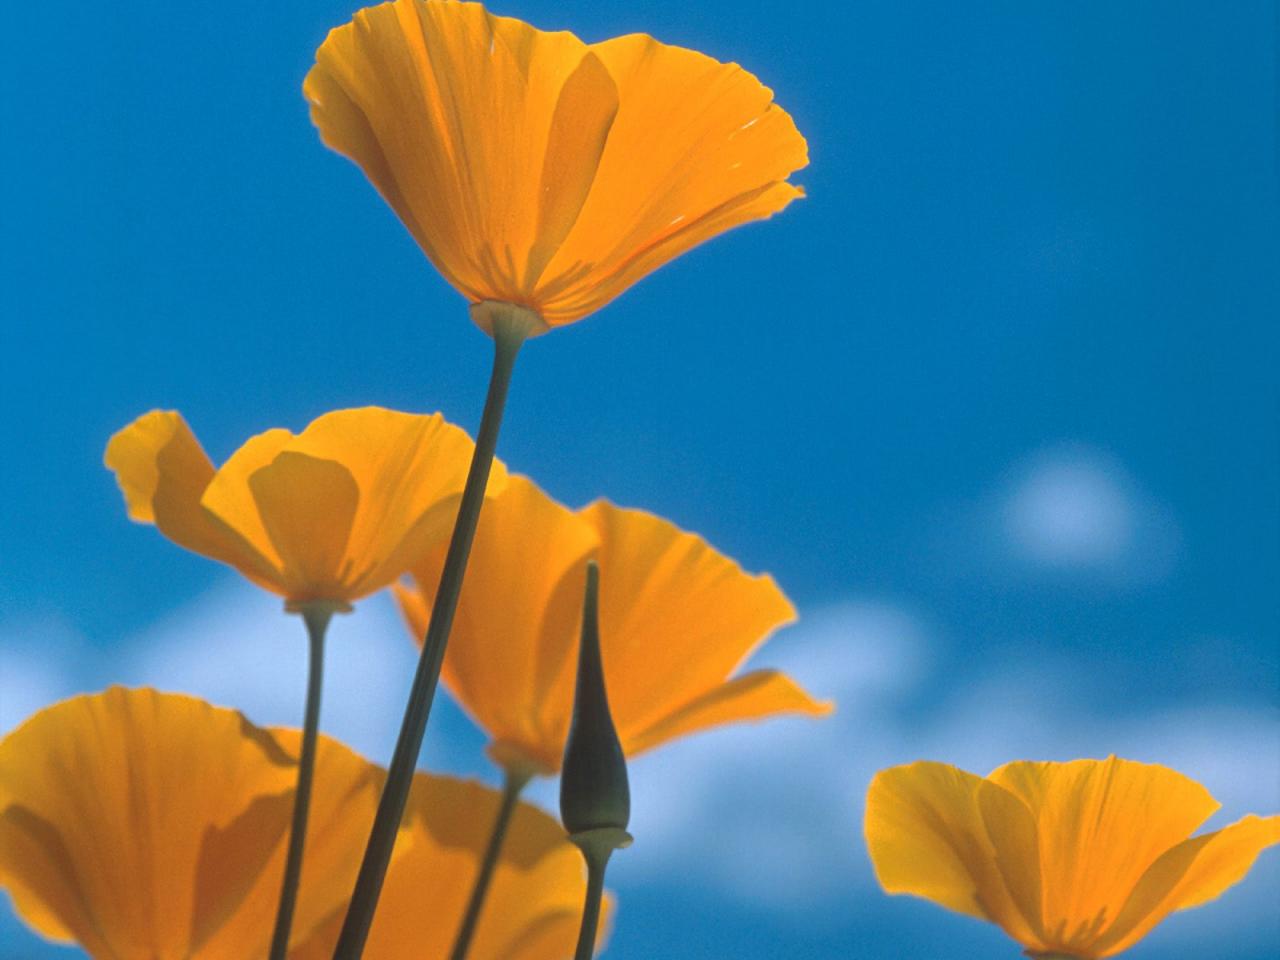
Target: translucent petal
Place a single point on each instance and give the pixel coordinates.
(536, 170)
(753, 696)
(676, 617)
(145, 825)
(1188, 875)
(1101, 823)
(926, 826)
(164, 474)
(517, 619)
(534, 903)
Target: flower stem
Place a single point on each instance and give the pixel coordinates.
(513, 783)
(316, 616)
(509, 329)
(596, 850)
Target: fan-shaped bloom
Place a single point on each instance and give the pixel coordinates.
(331, 514)
(676, 621)
(534, 900)
(538, 170)
(150, 826)
(144, 825)
(1078, 859)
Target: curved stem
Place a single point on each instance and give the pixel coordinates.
(507, 338)
(512, 784)
(317, 618)
(597, 857)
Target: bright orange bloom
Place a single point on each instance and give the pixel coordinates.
(534, 903)
(150, 826)
(144, 825)
(538, 170)
(677, 619)
(329, 515)
(1078, 859)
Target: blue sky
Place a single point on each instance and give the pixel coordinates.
(996, 404)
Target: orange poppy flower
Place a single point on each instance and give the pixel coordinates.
(328, 515)
(1078, 859)
(676, 621)
(140, 825)
(534, 900)
(537, 170)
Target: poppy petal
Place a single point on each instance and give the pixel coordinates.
(409, 471)
(1101, 824)
(307, 506)
(107, 802)
(517, 620)
(164, 473)
(693, 138)
(1190, 874)
(534, 901)
(926, 831)
(657, 581)
(753, 696)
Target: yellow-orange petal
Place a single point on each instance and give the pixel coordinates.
(676, 616)
(1190, 874)
(1101, 823)
(697, 147)
(110, 802)
(517, 621)
(409, 470)
(142, 824)
(926, 827)
(536, 170)
(307, 506)
(753, 696)
(163, 473)
(454, 114)
(534, 903)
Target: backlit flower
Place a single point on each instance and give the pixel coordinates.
(144, 825)
(677, 619)
(533, 905)
(150, 826)
(331, 514)
(538, 170)
(1078, 859)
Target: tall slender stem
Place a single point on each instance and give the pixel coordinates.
(509, 332)
(597, 856)
(316, 616)
(513, 782)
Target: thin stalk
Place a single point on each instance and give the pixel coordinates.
(512, 784)
(509, 332)
(316, 617)
(597, 857)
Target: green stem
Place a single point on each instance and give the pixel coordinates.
(316, 617)
(512, 784)
(509, 332)
(597, 856)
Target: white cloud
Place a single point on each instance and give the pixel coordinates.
(236, 647)
(1070, 509)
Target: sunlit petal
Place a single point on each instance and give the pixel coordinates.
(536, 170)
(926, 832)
(143, 825)
(1192, 873)
(533, 906)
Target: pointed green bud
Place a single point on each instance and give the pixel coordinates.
(594, 794)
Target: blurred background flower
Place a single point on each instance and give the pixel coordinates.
(996, 407)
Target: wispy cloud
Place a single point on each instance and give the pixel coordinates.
(1067, 512)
